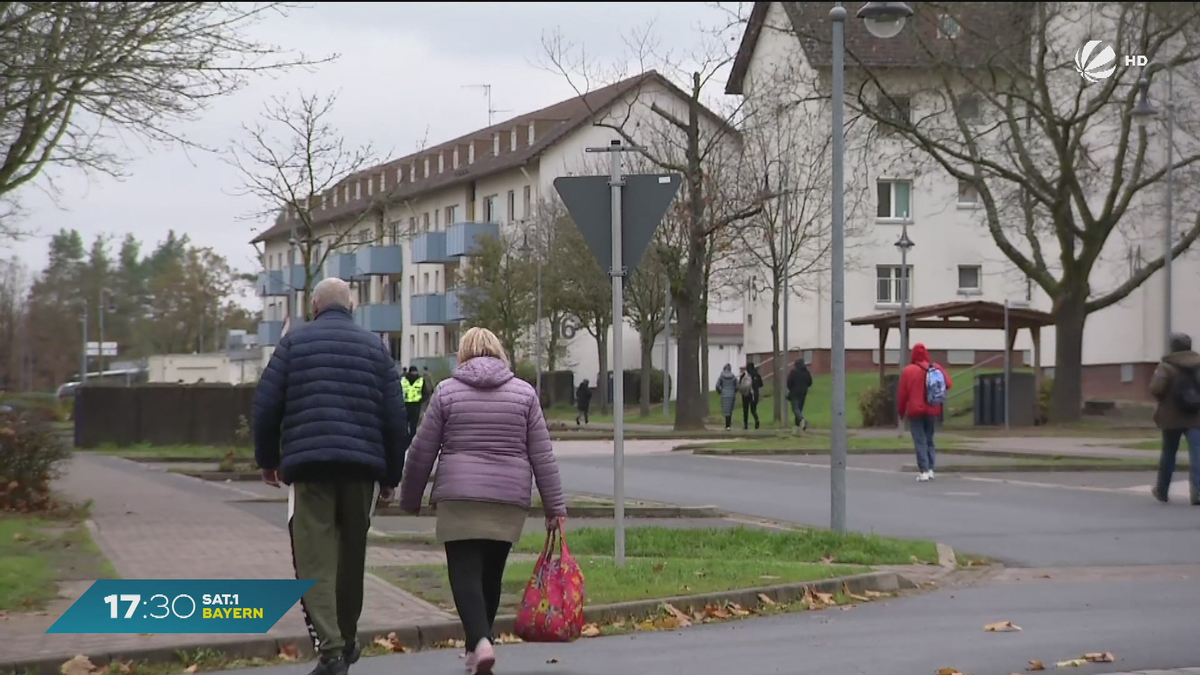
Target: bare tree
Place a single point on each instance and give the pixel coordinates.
(646, 308)
(1056, 162)
(497, 292)
(76, 74)
(14, 345)
(587, 291)
(677, 133)
(298, 166)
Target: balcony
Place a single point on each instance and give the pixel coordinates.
(269, 333)
(342, 266)
(462, 239)
(453, 307)
(430, 247)
(380, 318)
(271, 283)
(295, 277)
(428, 310)
(380, 260)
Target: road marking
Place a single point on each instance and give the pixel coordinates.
(961, 494)
(805, 464)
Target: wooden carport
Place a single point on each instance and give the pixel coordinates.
(963, 315)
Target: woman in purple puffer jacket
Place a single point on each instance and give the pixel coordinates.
(487, 425)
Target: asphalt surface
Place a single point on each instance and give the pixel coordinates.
(1021, 520)
(1145, 624)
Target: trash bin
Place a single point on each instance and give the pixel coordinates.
(990, 395)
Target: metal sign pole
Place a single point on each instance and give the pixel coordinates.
(1007, 367)
(667, 354)
(618, 312)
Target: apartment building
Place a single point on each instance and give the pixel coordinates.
(954, 257)
(405, 231)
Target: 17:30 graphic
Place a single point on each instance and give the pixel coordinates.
(160, 602)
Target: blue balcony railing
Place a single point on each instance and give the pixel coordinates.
(380, 260)
(437, 365)
(269, 333)
(428, 310)
(342, 266)
(463, 239)
(430, 247)
(453, 307)
(380, 318)
(271, 283)
(295, 277)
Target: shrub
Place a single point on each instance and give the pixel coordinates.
(39, 404)
(1043, 409)
(30, 452)
(242, 434)
(875, 406)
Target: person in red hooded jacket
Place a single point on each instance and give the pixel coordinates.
(912, 402)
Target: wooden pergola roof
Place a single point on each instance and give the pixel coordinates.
(969, 315)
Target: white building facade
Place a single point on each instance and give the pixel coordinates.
(955, 257)
(427, 213)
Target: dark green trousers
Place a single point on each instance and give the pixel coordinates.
(328, 523)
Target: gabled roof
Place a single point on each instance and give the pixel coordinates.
(990, 34)
(551, 125)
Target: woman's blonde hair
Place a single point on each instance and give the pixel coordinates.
(480, 342)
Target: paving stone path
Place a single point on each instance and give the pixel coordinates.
(156, 525)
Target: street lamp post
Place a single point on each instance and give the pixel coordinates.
(101, 310)
(904, 244)
(883, 20)
(1143, 112)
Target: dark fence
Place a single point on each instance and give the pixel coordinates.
(161, 414)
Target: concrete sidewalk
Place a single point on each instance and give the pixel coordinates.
(155, 525)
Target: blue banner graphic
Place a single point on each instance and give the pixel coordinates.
(182, 606)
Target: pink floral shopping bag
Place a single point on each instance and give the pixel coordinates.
(552, 607)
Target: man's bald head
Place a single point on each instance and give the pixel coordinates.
(329, 292)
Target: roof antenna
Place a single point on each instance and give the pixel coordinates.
(487, 91)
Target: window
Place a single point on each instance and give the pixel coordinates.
(970, 278)
(425, 283)
(437, 281)
(412, 346)
(968, 195)
(358, 189)
(425, 343)
(898, 109)
(394, 232)
(968, 107)
(512, 204)
(527, 199)
(425, 221)
(895, 198)
(489, 209)
(451, 214)
(948, 27)
(412, 225)
(437, 219)
(749, 319)
(1127, 372)
(412, 284)
(345, 194)
(891, 286)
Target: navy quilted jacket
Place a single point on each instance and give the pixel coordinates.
(330, 400)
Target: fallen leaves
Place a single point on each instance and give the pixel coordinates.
(392, 643)
(1036, 665)
(765, 599)
(1002, 627)
(289, 652)
(508, 639)
(818, 600)
(1091, 657)
(191, 669)
(682, 619)
(590, 630)
(950, 671)
(78, 665)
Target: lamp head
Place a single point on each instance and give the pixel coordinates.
(1143, 112)
(885, 20)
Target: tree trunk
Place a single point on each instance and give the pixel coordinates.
(551, 355)
(602, 384)
(1066, 400)
(647, 340)
(689, 407)
(778, 371)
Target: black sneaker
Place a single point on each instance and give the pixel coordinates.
(333, 665)
(1195, 495)
(351, 653)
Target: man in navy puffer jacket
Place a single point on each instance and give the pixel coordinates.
(330, 399)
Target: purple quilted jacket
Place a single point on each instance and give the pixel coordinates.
(488, 428)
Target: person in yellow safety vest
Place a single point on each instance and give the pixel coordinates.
(412, 386)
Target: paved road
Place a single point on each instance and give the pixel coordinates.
(1147, 624)
(1022, 519)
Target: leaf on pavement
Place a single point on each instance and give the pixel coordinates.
(1070, 663)
(1099, 657)
(765, 599)
(391, 643)
(551, 660)
(828, 560)
(125, 668)
(737, 609)
(508, 639)
(950, 671)
(1036, 665)
(1002, 627)
(289, 652)
(191, 669)
(590, 630)
(716, 612)
(817, 600)
(683, 619)
(852, 595)
(875, 594)
(78, 665)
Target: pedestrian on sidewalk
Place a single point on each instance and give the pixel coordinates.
(328, 424)
(413, 387)
(749, 394)
(727, 390)
(799, 381)
(583, 401)
(1176, 386)
(485, 429)
(919, 398)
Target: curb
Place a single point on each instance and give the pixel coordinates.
(573, 511)
(430, 635)
(946, 557)
(1042, 468)
(701, 449)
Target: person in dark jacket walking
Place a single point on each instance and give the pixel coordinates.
(328, 423)
(748, 388)
(727, 391)
(412, 387)
(583, 400)
(1176, 386)
(799, 381)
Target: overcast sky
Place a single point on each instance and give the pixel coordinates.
(402, 74)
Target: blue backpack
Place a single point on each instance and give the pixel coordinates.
(935, 386)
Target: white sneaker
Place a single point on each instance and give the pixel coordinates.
(923, 476)
(932, 475)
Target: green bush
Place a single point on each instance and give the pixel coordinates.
(39, 404)
(30, 452)
(1043, 411)
(874, 404)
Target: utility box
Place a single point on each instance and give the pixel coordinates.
(990, 395)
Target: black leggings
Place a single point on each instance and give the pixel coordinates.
(413, 412)
(476, 568)
(749, 407)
